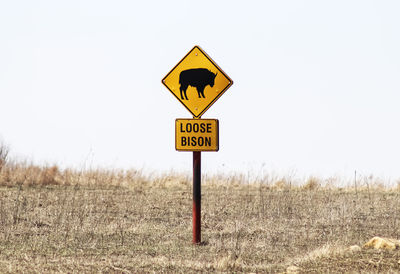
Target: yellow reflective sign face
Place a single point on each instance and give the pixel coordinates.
(196, 135)
(197, 81)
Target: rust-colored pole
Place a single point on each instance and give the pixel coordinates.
(196, 197)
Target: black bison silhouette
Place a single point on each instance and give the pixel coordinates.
(198, 78)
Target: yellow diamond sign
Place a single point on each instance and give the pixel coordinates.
(197, 81)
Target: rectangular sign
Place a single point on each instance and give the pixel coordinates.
(196, 135)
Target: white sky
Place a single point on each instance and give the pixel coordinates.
(316, 83)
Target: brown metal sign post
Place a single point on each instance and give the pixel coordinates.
(196, 197)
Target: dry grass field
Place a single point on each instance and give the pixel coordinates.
(123, 222)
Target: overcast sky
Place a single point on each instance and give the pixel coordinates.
(316, 83)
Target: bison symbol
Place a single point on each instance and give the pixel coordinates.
(198, 78)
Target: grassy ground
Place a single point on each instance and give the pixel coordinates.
(99, 221)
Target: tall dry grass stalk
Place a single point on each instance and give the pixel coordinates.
(4, 151)
(28, 174)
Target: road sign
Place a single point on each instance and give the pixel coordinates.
(197, 81)
(196, 135)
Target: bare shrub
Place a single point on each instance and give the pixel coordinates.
(312, 183)
(48, 176)
(281, 184)
(4, 151)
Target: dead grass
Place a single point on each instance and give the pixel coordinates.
(54, 220)
(4, 151)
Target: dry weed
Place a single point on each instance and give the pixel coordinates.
(281, 184)
(312, 183)
(4, 151)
